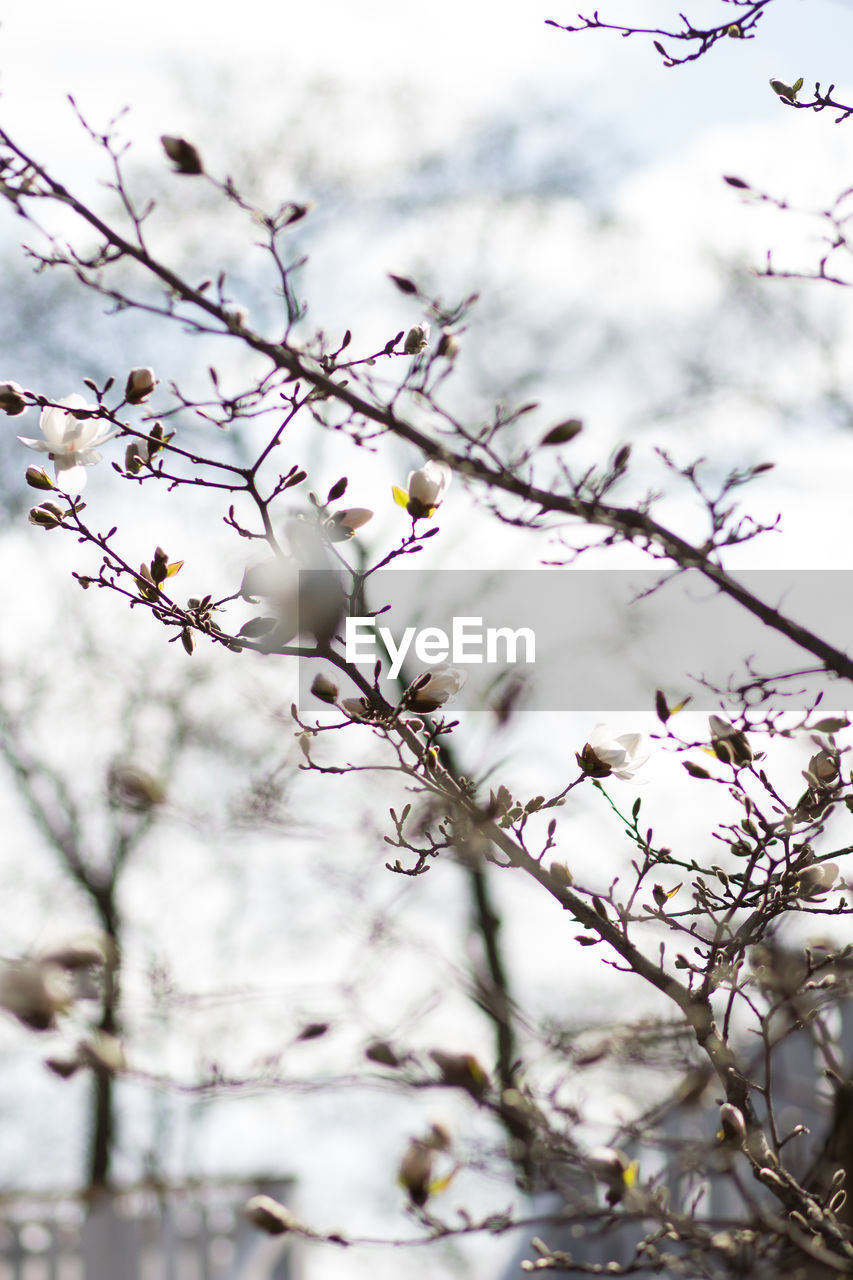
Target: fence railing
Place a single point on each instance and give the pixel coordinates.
(186, 1232)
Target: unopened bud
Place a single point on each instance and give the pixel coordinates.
(12, 399)
(448, 346)
(140, 384)
(183, 154)
(188, 640)
(732, 1125)
(324, 689)
(133, 459)
(356, 708)
(47, 516)
(823, 767)
(817, 879)
(37, 478)
(417, 340)
(783, 90)
(343, 524)
(269, 1215)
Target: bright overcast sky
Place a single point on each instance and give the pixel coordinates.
(678, 130)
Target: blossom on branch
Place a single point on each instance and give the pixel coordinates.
(426, 489)
(605, 754)
(433, 688)
(71, 442)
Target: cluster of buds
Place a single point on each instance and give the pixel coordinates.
(139, 453)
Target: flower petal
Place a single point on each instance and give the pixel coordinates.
(70, 476)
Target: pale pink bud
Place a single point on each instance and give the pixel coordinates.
(140, 383)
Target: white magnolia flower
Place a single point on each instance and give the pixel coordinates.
(605, 754)
(441, 684)
(426, 489)
(343, 524)
(71, 442)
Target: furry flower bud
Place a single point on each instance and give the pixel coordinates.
(140, 383)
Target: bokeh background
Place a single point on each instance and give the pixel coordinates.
(576, 186)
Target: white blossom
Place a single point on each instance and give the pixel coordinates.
(70, 442)
(425, 489)
(441, 684)
(620, 755)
